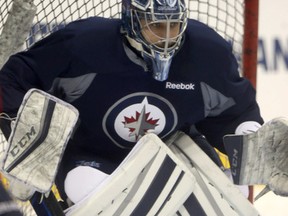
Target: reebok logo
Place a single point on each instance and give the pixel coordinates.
(180, 86)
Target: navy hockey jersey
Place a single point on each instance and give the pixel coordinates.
(88, 65)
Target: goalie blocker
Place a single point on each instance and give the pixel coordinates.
(261, 157)
(36, 144)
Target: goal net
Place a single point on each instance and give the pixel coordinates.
(227, 17)
(24, 22)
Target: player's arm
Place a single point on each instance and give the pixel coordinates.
(35, 68)
(229, 99)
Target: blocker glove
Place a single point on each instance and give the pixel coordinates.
(261, 157)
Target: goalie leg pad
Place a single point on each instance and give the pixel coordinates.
(153, 180)
(150, 181)
(216, 193)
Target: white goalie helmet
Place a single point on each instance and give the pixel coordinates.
(155, 28)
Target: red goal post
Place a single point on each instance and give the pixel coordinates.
(250, 40)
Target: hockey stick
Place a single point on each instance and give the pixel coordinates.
(46, 205)
(16, 28)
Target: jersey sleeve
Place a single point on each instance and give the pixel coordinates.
(35, 68)
(239, 93)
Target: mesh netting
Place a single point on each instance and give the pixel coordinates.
(225, 16)
(5, 6)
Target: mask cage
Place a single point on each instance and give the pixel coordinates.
(148, 23)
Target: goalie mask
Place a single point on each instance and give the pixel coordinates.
(155, 28)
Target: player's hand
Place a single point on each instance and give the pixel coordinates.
(278, 145)
(261, 157)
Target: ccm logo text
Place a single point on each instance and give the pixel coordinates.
(22, 142)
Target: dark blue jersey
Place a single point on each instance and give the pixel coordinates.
(89, 65)
(7, 206)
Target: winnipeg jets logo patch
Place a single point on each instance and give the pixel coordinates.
(140, 123)
(134, 115)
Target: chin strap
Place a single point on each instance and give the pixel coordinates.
(160, 63)
(138, 46)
